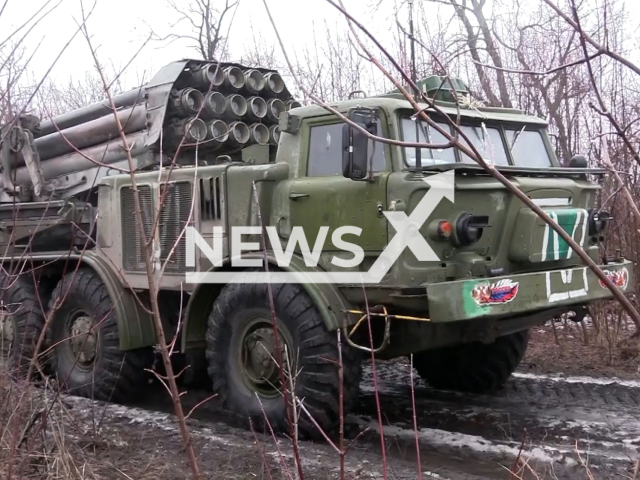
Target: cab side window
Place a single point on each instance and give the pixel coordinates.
(325, 151)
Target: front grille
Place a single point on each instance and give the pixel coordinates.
(174, 217)
(132, 244)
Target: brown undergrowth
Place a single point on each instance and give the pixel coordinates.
(586, 348)
(44, 436)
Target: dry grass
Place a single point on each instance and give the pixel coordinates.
(588, 348)
(45, 437)
(33, 441)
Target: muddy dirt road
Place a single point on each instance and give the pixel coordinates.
(557, 425)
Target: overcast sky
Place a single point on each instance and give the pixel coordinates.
(119, 28)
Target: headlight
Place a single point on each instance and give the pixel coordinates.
(469, 228)
(597, 221)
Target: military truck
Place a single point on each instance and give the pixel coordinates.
(224, 148)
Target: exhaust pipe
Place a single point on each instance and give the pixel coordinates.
(275, 107)
(274, 134)
(217, 132)
(274, 85)
(257, 108)
(192, 129)
(236, 106)
(215, 104)
(239, 134)
(254, 81)
(233, 78)
(186, 102)
(208, 75)
(259, 134)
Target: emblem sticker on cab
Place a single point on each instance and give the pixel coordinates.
(500, 292)
(619, 278)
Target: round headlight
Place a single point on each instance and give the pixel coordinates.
(469, 228)
(597, 221)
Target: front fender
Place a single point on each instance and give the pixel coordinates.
(327, 298)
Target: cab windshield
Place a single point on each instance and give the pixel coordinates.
(493, 143)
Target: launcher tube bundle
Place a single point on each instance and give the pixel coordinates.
(219, 108)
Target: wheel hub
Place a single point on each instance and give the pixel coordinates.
(7, 332)
(83, 340)
(259, 359)
(262, 363)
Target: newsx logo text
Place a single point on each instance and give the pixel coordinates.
(407, 235)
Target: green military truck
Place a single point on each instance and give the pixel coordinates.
(475, 268)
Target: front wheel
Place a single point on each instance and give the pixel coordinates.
(86, 356)
(474, 367)
(241, 353)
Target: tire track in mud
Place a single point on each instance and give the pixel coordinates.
(467, 436)
(601, 415)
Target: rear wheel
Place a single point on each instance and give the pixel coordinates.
(86, 356)
(21, 322)
(241, 353)
(473, 367)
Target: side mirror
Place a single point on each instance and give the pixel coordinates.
(355, 144)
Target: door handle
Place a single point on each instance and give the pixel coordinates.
(296, 196)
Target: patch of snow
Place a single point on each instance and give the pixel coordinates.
(632, 441)
(432, 474)
(544, 453)
(580, 379)
(168, 423)
(381, 389)
(478, 444)
(604, 444)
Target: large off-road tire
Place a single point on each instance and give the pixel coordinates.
(21, 322)
(240, 344)
(86, 357)
(474, 367)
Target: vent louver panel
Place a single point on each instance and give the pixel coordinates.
(132, 244)
(210, 199)
(174, 218)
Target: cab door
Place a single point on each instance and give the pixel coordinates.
(321, 196)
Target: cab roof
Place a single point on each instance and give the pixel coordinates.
(395, 102)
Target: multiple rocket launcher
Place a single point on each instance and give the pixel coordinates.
(220, 107)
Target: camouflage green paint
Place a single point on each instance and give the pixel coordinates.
(289, 197)
(453, 301)
(536, 268)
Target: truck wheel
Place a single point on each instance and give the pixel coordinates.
(86, 357)
(21, 323)
(241, 352)
(474, 367)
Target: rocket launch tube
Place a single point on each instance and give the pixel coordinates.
(106, 154)
(91, 112)
(91, 133)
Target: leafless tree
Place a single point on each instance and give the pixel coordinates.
(205, 21)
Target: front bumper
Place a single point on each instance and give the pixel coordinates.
(523, 293)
